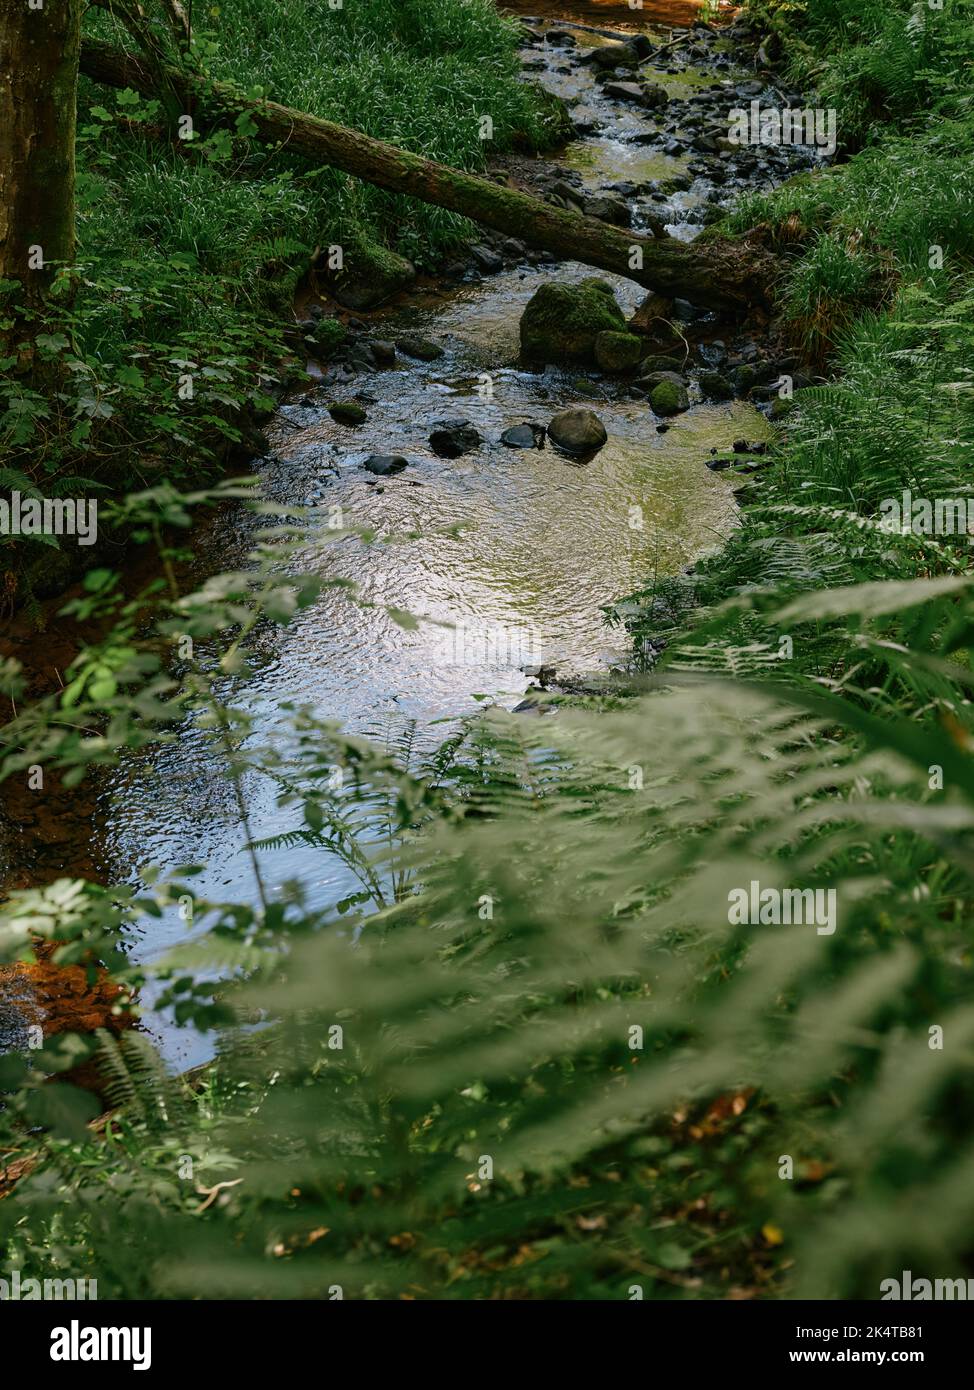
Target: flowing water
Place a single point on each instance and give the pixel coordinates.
(505, 556)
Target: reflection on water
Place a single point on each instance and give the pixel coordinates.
(504, 557)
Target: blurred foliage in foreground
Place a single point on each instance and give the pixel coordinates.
(532, 1057)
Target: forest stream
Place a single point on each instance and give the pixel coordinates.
(507, 556)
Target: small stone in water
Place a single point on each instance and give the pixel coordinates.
(577, 431)
(451, 438)
(385, 464)
(527, 436)
(419, 347)
(347, 413)
(384, 353)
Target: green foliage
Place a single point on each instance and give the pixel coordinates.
(899, 76)
(533, 1054)
(526, 904)
(877, 61)
(190, 251)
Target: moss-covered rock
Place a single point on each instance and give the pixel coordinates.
(562, 322)
(780, 408)
(329, 335)
(716, 387)
(347, 413)
(618, 352)
(661, 364)
(744, 377)
(668, 398)
(370, 274)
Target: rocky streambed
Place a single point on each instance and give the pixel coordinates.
(429, 424)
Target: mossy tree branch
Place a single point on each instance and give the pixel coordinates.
(721, 274)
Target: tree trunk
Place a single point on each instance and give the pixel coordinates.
(720, 274)
(38, 97)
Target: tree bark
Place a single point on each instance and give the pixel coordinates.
(719, 274)
(38, 98)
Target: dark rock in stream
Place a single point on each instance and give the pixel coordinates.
(654, 96)
(451, 438)
(347, 413)
(384, 465)
(527, 436)
(487, 260)
(384, 353)
(584, 122)
(612, 210)
(578, 432)
(624, 91)
(360, 358)
(420, 348)
(611, 55)
(716, 387)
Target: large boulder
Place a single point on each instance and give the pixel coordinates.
(578, 431)
(370, 274)
(562, 322)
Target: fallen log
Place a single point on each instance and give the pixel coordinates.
(720, 274)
